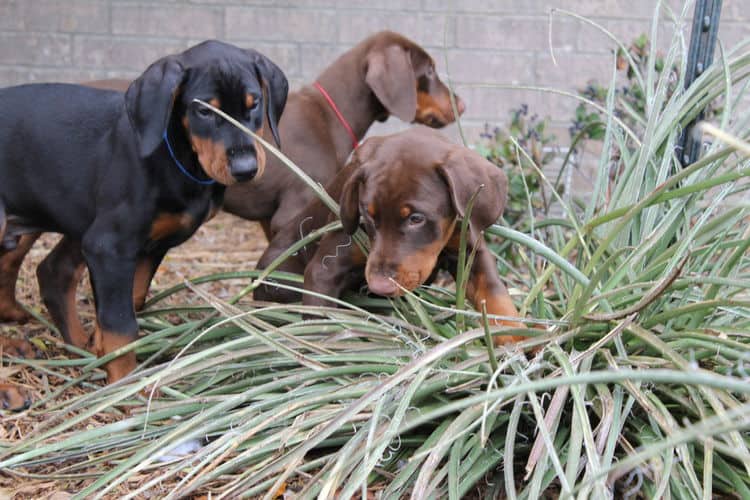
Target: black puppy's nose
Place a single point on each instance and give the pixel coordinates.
(243, 167)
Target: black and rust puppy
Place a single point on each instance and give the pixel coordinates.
(125, 177)
(409, 189)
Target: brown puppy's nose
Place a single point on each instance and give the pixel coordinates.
(382, 285)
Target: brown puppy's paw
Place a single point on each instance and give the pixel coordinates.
(14, 398)
(13, 313)
(17, 348)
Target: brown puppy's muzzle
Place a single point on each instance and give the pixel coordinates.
(437, 113)
(391, 279)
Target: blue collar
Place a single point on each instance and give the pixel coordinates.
(187, 174)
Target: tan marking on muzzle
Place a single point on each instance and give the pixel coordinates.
(213, 158)
(416, 267)
(260, 153)
(428, 105)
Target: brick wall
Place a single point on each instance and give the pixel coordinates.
(484, 41)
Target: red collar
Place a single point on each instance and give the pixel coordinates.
(341, 118)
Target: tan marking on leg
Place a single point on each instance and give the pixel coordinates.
(10, 265)
(78, 335)
(142, 282)
(499, 304)
(166, 224)
(106, 342)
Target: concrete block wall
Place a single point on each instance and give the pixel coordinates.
(480, 42)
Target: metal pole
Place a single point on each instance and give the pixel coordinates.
(700, 57)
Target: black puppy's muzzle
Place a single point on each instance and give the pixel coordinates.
(243, 164)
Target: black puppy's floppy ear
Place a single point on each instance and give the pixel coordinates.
(149, 101)
(277, 88)
(391, 77)
(466, 172)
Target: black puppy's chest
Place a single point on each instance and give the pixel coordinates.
(172, 223)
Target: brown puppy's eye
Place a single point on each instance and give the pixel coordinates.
(416, 219)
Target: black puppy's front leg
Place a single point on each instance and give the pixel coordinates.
(337, 265)
(111, 259)
(145, 270)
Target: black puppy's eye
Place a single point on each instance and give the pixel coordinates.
(416, 219)
(204, 112)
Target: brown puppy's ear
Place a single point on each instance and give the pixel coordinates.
(391, 77)
(355, 174)
(277, 88)
(466, 172)
(149, 101)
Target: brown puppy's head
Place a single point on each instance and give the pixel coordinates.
(14, 398)
(402, 76)
(243, 83)
(409, 189)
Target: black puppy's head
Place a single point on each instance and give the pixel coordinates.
(243, 83)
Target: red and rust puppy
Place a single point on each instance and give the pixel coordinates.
(386, 74)
(408, 191)
(125, 177)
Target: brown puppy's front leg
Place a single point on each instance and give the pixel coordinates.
(337, 265)
(293, 264)
(10, 264)
(484, 285)
(58, 276)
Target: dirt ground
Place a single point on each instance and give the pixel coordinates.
(226, 243)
